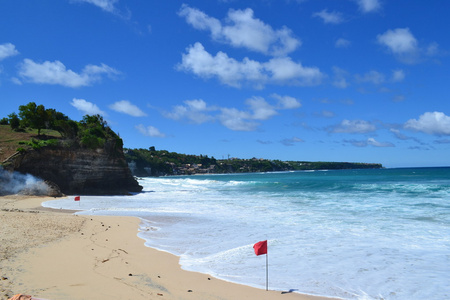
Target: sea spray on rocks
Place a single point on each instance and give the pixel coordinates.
(25, 184)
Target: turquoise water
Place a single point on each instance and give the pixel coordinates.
(353, 234)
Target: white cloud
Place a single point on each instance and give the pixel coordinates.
(402, 43)
(327, 114)
(149, 131)
(398, 75)
(285, 71)
(88, 108)
(342, 43)
(405, 47)
(198, 112)
(126, 107)
(436, 123)
(195, 111)
(281, 70)
(371, 77)
(237, 120)
(242, 29)
(260, 108)
(7, 50)
(354, 126)
(432, 49)
(399, 40)
(106, 5)
(367, 6)
(329, 17)
(291, 141)
(56, 73)
(286, 102)
(340, 78)
(375, 143)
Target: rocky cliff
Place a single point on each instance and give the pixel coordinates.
(82, 171)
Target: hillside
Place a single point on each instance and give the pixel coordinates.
(11, 140)
(151, 162)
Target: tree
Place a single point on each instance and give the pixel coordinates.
(33, 116)
(67, 128)
(4, 121)
(14, 121)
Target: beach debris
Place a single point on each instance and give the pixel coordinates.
(159, 294)
(189, 291)
(123, 250)
(105, 260)
(130, 274)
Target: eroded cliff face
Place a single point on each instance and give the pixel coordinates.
(78, 171)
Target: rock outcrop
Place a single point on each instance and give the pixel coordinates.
(80, 171)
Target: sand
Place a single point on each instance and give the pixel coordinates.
(53, 254)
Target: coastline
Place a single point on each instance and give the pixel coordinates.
(55, 255)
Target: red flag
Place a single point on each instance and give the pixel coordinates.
(77, 198)
(260, 247)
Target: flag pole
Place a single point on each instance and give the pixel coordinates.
(267, 270)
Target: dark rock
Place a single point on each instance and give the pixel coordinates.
(78, 171)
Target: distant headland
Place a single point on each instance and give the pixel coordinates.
(152, 162)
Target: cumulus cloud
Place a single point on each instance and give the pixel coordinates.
(405, 47)
(329, 17)
(353, 126)
(56, 73)
(375, 143)
(126, 107)
(286, 102)
(342, 43)
(88, 108)
(258, 109)
(399, 40)
(278, 70)
(195, 111)
(374, 77)
(398, 75)
(7, 50)
(436, 123)
(402, 43)
(237, 120)
(150, 131)
(340, 78)
(262, 110)
(106, 5)
(367, 6)
(242, 29)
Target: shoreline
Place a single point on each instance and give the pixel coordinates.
(55, 255)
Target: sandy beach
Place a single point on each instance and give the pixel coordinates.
(53, 254)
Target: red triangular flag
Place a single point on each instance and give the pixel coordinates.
(260, 247)
(77, 198)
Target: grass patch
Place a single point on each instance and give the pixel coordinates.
(11, 140)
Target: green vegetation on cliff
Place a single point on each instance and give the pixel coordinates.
(84, 158)
(43, 127)
(153, 162)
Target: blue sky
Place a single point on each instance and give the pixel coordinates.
(315, 80)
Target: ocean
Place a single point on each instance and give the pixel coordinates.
(351, 234)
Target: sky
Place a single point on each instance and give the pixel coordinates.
(306, 80)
